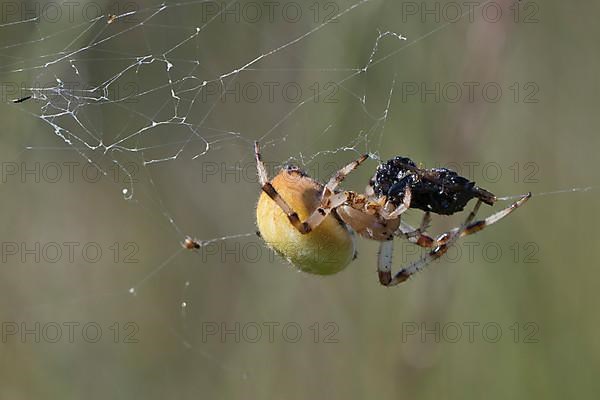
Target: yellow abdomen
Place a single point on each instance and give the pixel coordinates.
(327, 249)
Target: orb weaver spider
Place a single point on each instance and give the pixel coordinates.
(312, 225)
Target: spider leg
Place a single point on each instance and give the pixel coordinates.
(445, 240)
(384, 266)
(384, 262)
(317, 216)
(328, 201)
(492, 219)
(340, 175)
(260, 166)
(425, 221)
(327, 205)
(417, 236)
(476, 226)
(400, 209)
(421, 238)
(268, 188)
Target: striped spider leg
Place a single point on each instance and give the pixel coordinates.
(439, 245)
(329, 199)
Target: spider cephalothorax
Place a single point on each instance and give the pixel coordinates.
(438, 190)
(312, 225)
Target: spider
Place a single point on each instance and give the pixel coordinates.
(312, 225)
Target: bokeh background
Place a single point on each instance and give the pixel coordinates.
(510, 314)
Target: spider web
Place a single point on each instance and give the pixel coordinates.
(169, 96)
(156, 90)
(164, 80)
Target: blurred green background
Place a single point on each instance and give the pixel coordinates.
(510, 314)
